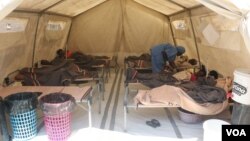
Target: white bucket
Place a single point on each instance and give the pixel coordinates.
(241, 85)
(213, 129)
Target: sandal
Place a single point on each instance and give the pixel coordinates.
(150, 123)
(156, 122)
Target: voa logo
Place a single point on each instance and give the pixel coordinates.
(236, 132)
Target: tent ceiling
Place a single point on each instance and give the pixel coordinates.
(75, 7)
(36, 5)
(187, 3)
(162, 6)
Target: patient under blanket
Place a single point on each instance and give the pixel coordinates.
(59, 75)
(171, 96)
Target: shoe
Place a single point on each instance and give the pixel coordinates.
(156, 122)
(151, 124)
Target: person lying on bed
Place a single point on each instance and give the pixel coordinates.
(143, 61)
(150, 79)
(222, 82)
(83, 61)
(199, 99)
(54, 75)
(185, 64)
(86, 61)
(204, 90)
(212, 79)
(153, 80)
(60, 57)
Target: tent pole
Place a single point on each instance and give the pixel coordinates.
(194, 36)
(66, 46)
(122, 38)
(34, 44)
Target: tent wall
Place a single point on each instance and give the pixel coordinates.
(129, 28)
(183, 36)
(144, 28)
(221, 46)
(125, 27)
(50, 39)
(98, 30)
(17, 47)
(122, 26)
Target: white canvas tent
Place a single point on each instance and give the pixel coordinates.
(216, 32)
(36, 29)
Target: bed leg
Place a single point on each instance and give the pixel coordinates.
(99, 99)
(90, 108)
(102, 89)
(99, 96)
(125, 119)
(125, 108)
(90, 116)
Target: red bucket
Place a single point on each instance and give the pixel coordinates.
(57, 108)
(58, 126)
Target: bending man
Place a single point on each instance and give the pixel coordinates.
(163, 53)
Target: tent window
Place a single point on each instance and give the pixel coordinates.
(180, 29)
(210, 34)
(221, 23)
(13, 25)
(55, 25)
(180, 24)
(218, 31)
(54, 30)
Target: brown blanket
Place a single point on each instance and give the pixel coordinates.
(54, 75)
(171, 96)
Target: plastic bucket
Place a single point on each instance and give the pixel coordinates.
(241, 84)
(213, 129)
(24, 125)
(189, 117)
(240, 114)
(57, 108)
(58, 126)
(22, 112)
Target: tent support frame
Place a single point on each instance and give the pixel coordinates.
(34, 44)
(194, 36)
